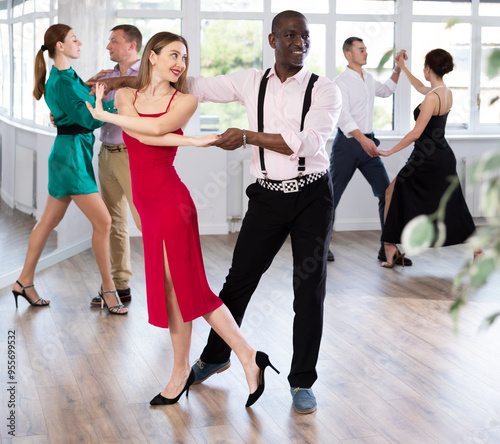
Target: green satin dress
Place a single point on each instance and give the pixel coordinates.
(70, 160)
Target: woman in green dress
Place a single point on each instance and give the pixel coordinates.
(71, 176)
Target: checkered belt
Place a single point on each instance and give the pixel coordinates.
(115, 148)
(292, 185)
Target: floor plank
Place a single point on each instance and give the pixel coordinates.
(392, 367)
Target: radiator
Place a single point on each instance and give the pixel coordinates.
(25, 178)
(472, 193)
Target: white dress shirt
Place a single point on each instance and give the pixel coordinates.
(282, 115)
(358, 97)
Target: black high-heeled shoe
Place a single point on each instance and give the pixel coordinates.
(161, 400)
(115, 309)
(262, 360)
(41, 302)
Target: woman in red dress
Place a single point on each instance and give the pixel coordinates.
(153, 117)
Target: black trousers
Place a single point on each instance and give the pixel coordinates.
(273, 215)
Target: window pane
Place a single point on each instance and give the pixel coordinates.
(27, 70)
(3, 9)
(29, 6)
(43, 5)
(433, 7)
(378, 7)
(167, 5)
(17, 8)
(489, 7)
(42, 115)
(455, 40)
(490, 88)
(232, 5)
(228, 46)
(4, 69)
(149, 27)
(17, 63)
(316, 58)
(378, 38)
(316, 6)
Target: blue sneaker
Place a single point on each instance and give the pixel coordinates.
(303, 400)
(203, 371)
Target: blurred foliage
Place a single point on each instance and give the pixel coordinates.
(385, 58)
(429, 230)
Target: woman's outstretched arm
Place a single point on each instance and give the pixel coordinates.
(153, 126)
(417, 84)
(426, 109)
(127, 112)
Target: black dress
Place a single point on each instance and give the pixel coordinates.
(422, 182)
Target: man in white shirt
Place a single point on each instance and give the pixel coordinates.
(355, 145)
(292, 194)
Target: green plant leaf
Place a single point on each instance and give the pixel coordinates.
(490, 319)
(481, 270)
(493, 100)
(418, 234)
(451, 23)
(384, 59)
(493, 66)
(441, 231)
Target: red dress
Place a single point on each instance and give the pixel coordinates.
(168, 217)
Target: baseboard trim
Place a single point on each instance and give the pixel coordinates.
(47, 261)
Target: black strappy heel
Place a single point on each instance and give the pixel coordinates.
(115, 309)
(38, 303)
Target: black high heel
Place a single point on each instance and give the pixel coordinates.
(115, 309)
(161, 400)
(38, 303)
(262, 361)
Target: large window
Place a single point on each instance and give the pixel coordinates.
(229, 35)
(22, 27)
(456, 40)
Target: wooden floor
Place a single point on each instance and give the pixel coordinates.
(14, 235)
(391, 368)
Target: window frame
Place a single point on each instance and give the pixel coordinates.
(191, 15)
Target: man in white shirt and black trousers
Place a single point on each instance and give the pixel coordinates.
(292, 194)
(355, 145)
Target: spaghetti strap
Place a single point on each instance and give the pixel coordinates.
(136, 91)
(439, 98)
(172, 98)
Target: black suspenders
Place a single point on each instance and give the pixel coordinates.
(260, 117)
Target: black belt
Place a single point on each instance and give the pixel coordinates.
(72, 130)
(291, 185)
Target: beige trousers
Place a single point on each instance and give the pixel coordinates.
(116, 191)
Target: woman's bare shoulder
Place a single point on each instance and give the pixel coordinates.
(125, 93)
(185, 98)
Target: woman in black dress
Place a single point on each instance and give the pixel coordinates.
(421, 183)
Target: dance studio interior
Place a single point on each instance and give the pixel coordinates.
(408, 354)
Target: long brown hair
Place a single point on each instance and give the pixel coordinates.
(56, 33)
(156, 44)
